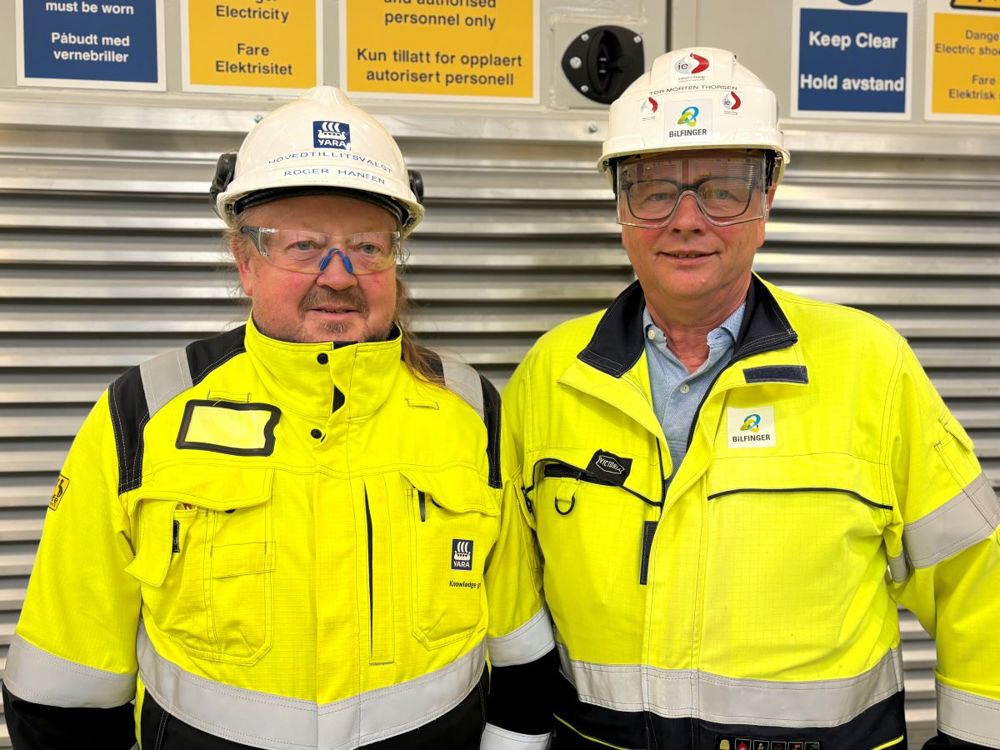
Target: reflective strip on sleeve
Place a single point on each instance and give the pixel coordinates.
(968, 717)
(37, 676)
(163, 377)
(899, 568)
(726, 700)
(963, 521)
(495, 738)
(524, 645)
(277, 723)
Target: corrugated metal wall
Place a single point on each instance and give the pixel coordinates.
(109, 254)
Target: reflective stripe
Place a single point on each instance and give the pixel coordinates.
(529, 642)
(495, 738)
(726, 700)
(968, 717)
(890, 743)
(966, 519)
(276, 723)
(37, 676)
(899, 568)
(464, 381)
(163, 377)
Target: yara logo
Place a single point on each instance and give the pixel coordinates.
(331, 134)
(609, 465)
(461, 554)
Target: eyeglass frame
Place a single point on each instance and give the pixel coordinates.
(764, 179)
(399, 255)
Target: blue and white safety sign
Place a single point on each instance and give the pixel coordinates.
(100, 44)
(852, 58)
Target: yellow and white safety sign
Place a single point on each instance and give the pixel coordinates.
(963, 61)
(265, 45)
(480, 49)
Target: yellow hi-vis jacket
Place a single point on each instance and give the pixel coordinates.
(752, 600)
(291, 546)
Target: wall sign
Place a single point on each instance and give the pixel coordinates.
(270, 46)
(79, 44)
(852, 58)
(963, 61)
(485, 50)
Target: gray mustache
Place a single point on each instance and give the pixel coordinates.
(348, 298)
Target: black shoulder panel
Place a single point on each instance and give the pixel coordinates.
(435, 363)
(491, 416)
(207, 354)
(130, 407)
(129, 414)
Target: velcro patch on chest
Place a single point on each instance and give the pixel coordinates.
(609, 468)
(236, 429)
(751, 427)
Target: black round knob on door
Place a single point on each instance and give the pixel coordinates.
(601, 62)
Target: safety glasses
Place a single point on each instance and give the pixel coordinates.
(728, 189)
(306, 251)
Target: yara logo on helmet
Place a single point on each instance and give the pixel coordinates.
(331, 134)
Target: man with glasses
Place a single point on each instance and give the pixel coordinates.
(732, 486)
(295, 534)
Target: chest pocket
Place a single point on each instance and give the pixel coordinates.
(454, 523)
(808, 531)
(205, 555)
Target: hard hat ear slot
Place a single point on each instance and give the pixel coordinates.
(771, 169)
(416, 185)
(225, 169)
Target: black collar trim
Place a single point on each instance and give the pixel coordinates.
(618, 342)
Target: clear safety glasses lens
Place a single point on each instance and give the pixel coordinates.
(728, 190)
(306, 251)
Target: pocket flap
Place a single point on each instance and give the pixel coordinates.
(829, 472)
(208, 486)
(154, 543)
(458, 489)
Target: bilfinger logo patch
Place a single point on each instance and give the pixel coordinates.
(751, 427)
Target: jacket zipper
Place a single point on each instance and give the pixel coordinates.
(708, 392)
(371, 576)
(778, 490)
(562, 470)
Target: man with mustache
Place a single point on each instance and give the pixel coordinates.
(295, 534)
(733, 486)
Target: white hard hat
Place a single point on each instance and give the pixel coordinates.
(695, 98)
(319, 142)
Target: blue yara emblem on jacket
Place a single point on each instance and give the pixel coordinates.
(461, 554)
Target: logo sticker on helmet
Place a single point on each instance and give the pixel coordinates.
(647, 110)
(461, 554)
(331, 134)
(692, 65)
(731, 102)
(692, 118)
(689, 117)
